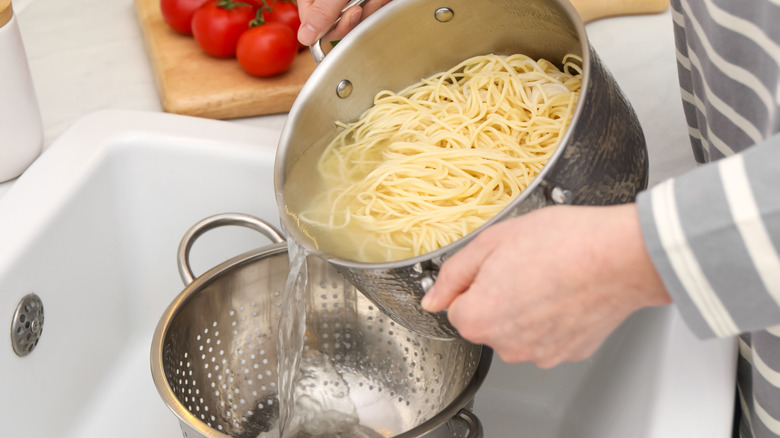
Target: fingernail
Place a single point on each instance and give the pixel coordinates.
(354, 19)
(307, 34)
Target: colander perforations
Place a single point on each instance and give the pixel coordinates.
(220, 355)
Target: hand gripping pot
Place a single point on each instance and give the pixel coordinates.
(601, 160)
(214, 356)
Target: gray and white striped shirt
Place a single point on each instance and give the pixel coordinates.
(714, 233)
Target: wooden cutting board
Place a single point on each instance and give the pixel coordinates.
(591, 10)
(193, 83)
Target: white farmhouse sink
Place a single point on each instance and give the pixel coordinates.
(93, 227)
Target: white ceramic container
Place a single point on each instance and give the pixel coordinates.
(21, 128)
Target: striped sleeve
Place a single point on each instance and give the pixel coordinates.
(714, 235)
(728, 58)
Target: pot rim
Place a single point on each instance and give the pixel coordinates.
(358, 33)
(203, 280)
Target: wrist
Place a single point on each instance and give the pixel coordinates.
(629, 259)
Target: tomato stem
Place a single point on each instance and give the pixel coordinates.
(231, 4)
(265, 7)
(259, 20)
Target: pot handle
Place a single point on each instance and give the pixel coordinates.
(471, 422)
(211, 222)
(316, 49)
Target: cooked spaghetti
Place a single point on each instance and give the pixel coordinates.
(426, 166)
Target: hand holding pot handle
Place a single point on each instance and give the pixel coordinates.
(331, 19)
(549, 286)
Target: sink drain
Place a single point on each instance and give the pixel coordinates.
(27, 325)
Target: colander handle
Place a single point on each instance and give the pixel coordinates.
(316, 48)
(211, 222)
(471, 422)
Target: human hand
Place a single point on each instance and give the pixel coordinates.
(549, 286)
(317, 16)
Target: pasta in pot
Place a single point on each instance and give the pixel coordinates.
(424, 167)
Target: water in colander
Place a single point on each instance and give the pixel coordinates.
(314, 398)
(322, 401)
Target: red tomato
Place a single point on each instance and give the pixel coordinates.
(267, 49)
(218, 24)
(178, 13)
(283, 11)
(255, 3)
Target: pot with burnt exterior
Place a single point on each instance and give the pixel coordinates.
(601, 159)
(214, 355)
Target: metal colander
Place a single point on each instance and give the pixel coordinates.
(214, 355)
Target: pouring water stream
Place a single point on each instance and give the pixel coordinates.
(292, 328)
(314, 398)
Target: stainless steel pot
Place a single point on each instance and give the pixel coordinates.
(214, 353)
(602, 158)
